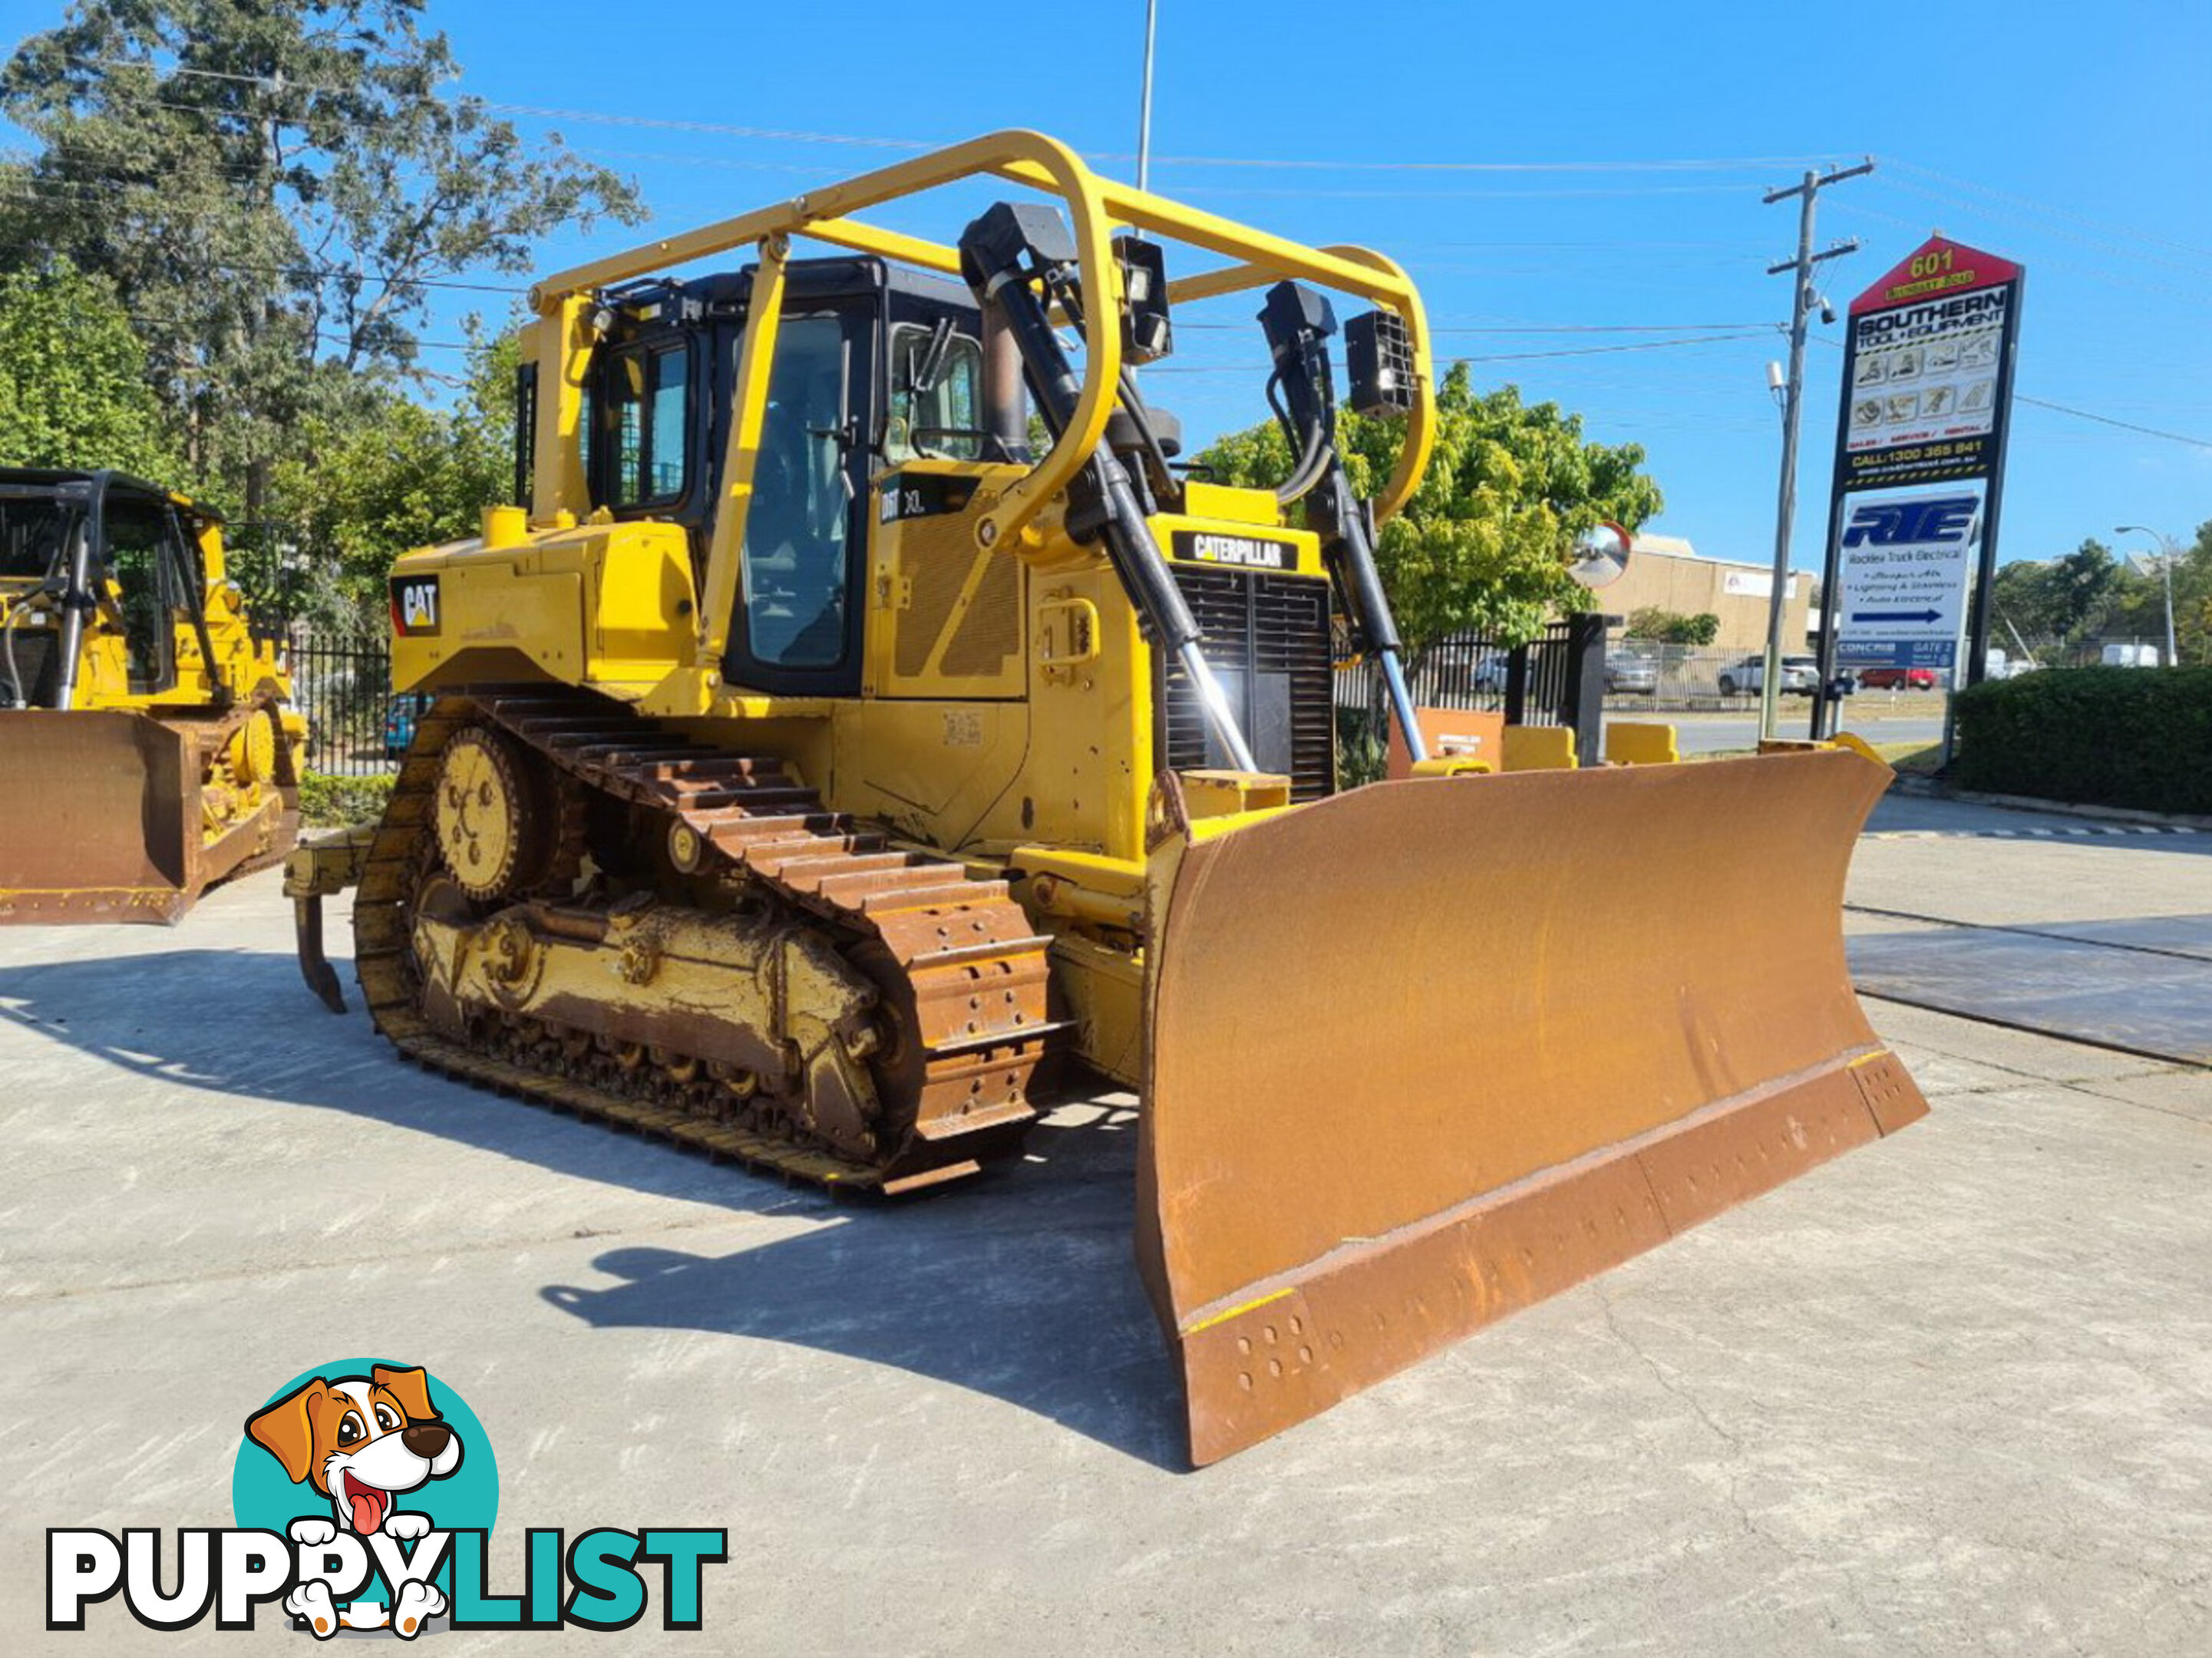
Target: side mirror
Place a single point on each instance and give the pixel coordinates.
(1600, 555)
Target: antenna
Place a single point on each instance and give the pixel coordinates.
(1144, 106)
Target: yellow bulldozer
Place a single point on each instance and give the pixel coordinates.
(816, 767)
(148, 745)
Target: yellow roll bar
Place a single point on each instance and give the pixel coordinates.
(1094, 206)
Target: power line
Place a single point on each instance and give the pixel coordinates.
(324, 273)
(2189, 264)
(1764, 332)
(2051, 211)
(1305, 194)
(1738, 163)
(2097, 273)
(184, 325)
(1610, 328)
(2084, 414)
(2106, 420)
(1540, 328)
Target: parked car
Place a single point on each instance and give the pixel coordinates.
(1898, 679)
(1800, 676)
(1457, 675)
(1637, 674)
(400, 714)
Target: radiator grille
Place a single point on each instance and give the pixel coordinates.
(1267, 638)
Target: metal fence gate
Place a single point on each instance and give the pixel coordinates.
(1556, 679)
(342, 681)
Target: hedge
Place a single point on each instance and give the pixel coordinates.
(2105, 737)
(328, 802)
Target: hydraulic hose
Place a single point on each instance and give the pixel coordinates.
(18, 696)
(77, 596)
(1298, 323)
(993, 251)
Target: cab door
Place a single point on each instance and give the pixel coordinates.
(797, 629)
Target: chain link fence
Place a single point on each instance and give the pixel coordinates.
(1640, 674)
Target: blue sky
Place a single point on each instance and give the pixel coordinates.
(1599, 195)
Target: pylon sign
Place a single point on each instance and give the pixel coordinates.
(1928, 369)
(1927, 394)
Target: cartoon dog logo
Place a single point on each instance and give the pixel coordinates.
(360, 1441)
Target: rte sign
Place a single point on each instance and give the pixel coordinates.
(1903, 566)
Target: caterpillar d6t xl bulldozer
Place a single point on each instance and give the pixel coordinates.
(147, 749)
(811, 763)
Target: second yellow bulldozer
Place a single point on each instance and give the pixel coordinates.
(149, 747)
(811, 762)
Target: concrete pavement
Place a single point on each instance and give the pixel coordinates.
(1952, 1394)
(2091, 929)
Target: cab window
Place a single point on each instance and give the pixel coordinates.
(141, 559)
(32, 532)
(936, 396)
(796, 524)
(644, 424)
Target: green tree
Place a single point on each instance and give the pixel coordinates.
(1483, 544)
(2025, 600)
(2193, 598)
(2083, 586)
(2061, 605)
(73, 390)
(278, 186)
(405, 475)
(2138, 609)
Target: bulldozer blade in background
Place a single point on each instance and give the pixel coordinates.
(101, 819)
(1429, 1052)
(95, 818)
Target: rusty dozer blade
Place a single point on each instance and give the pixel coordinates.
(1427, 1053)
(99, 816)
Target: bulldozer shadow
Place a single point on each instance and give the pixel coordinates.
(1019, 1285)
(262, 1036)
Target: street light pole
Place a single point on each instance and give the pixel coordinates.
(1803, 297)
(2166, 568)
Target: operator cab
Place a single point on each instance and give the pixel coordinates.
(875, 365)
(128, 550)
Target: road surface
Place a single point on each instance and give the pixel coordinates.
(1710, 733)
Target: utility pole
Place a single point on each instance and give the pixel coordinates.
(1803, 297)
(1145, 107)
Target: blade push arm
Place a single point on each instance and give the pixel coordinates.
(1298, 323)
(1000, 254)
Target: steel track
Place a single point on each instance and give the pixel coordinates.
(974, 966)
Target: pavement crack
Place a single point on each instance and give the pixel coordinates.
(1659, 1372)
(1734, 1468)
